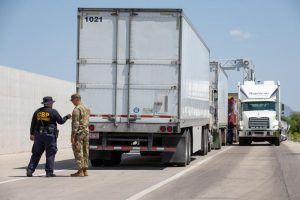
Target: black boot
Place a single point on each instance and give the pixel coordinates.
(50, 175)
(28, 173)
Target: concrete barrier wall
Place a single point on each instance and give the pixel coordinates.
(21, 94)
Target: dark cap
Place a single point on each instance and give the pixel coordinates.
(47, 100)
(75, 96)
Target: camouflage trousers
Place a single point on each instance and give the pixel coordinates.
(81, 150)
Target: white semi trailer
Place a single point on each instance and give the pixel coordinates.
(144, 73)
(260, 112)
(219, 104)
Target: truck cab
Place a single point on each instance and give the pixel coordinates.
(260, 112)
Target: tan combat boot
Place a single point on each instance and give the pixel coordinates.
(85, 172)
(79, 173)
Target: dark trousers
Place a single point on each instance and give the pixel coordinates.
(42, 143)
(230, 134)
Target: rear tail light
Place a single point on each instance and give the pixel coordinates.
(162, 129)
(170, 129)
(91, 127)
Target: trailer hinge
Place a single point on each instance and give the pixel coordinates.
(129, 62)
(111, 118)
(133, 14)
(178, 21)
(82, 61)
(114, 62)
(115, 13)
(175, 62)
(133, 119)
(81, 86)
(80, 20)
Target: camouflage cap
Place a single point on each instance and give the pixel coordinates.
(75, 96)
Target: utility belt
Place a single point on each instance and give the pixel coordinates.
(49, 131)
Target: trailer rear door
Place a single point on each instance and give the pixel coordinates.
(128, 64)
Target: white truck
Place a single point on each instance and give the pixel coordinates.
(260, 112)
(144, 73)
(219, 104)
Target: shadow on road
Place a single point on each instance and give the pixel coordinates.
(129, 162)
(62, 164)
(293, 154)
(137, 162)
(252, 144)
(41, 176)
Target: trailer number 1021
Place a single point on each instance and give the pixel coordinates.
(93, 19)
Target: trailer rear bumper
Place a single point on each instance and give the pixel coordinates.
(138, 142)
(259, 133)
(132, 148)
(135, 127)
(258, 137)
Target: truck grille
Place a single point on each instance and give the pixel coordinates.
(259, 123)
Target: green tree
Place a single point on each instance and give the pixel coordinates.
(284, 118)
(294, 122)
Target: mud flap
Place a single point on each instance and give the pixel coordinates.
(179, 141)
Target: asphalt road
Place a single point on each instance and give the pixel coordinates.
(252, 172)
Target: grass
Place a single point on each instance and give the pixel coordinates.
(295, 136)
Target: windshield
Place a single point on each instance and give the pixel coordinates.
(259, 105)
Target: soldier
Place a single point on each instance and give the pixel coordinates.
(43, 132)
(80, 135)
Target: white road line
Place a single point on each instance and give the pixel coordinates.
(19, 179)
(174, 177)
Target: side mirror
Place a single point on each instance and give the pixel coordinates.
(282, 108)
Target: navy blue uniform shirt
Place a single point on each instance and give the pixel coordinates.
(45, 117)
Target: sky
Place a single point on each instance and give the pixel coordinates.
(40, 35)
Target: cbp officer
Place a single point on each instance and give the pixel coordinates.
(43, 132)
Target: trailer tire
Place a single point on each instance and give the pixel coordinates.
(277, 141)
(248, 142)
(96, 162)
(245, 141)
(209, 147)
(189, 147)
(242, 141)
(204, 142)
(188, 144)
(115, 159)
(219, 140)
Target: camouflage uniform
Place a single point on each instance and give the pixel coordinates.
(80, 122)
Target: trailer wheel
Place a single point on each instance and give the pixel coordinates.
(209, 147)
(277, 141)
(248, 142)
(245, 141)
(219, 140)
(96, 162)
(189, 145)
(204, 143)
(242, 141)
(115, 159)
(187, 155)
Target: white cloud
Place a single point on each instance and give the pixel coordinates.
(238, 34)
